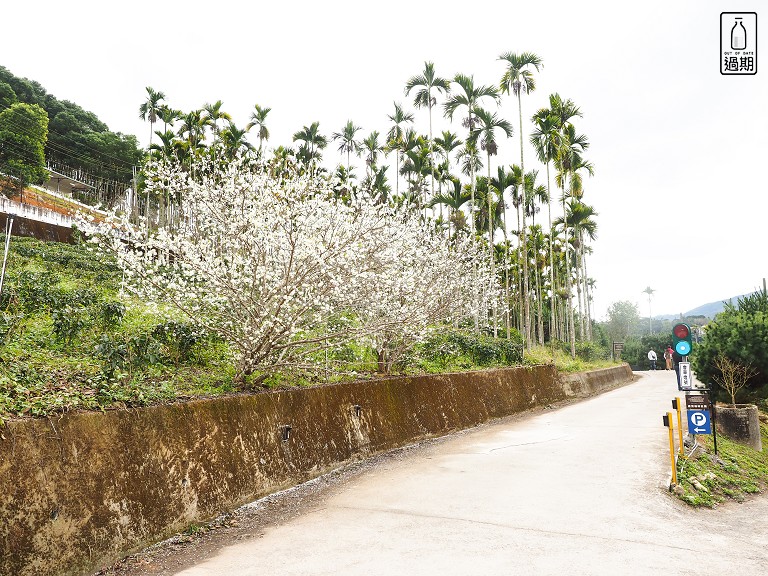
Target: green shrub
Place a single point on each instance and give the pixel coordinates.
(127, 352)
(742, 337)
(113, 353)
(68, 322)
(460, 349)
(178, 338)
(37, 291)
(111, 314)
(592, 351)
(9, 325)
(81, 297)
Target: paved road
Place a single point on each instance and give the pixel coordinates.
(581, 490)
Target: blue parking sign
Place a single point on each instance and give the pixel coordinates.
(699, 422)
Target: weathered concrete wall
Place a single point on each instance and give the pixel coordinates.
(80, 491)
(37, 229)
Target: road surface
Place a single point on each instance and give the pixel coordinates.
(580, 490)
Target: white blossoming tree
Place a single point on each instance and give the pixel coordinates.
(266, 262)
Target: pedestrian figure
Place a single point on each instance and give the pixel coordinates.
(668, 357)
(652, 358)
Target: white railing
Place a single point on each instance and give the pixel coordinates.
(69, 201)
(34, 212)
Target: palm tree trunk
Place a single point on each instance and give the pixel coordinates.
(541, 311)
(431, 145)
(586, 297)
(577, 270)
(492, 282)
(472, 216)
(397, 175)
(553, 299)
(583, 311)
(151, 131)
(520, 296)
(506, 269)
(568, 284)
(526, 301)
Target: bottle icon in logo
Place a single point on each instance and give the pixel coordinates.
(738, 36)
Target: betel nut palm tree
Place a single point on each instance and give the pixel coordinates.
(259, 118)
(395, 138)
(427, 83)
(545, 140)
(213, 114)
(468, 97)
(150, 109)
(485, 132)
(579, 219)
(372, 148)
(447, 142)
(518, 78)
(550, 140)
(502, 181)
(649, 292)
(569, 164)
(313, 141)
(534, 194)
(454, 198)
(349, 144)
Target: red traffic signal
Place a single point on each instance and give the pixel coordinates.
(681, 331)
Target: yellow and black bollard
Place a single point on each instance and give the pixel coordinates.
(668, 423)
(676, 404)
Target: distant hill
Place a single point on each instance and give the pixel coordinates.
(713, 308)
(708, 310)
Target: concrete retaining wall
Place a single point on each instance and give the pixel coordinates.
(80, 491)
(38, 229)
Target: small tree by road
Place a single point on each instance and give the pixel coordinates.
(733, 375)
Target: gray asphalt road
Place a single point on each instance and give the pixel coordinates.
(581, 490)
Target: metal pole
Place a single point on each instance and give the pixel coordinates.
(714, 426)
(650, 324)
(8, 228)
(680, 426)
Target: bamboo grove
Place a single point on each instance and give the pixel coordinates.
(531, 217)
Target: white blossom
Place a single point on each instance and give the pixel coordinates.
(266, 261)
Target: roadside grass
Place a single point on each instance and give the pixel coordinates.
(539, 355)
(738, 471)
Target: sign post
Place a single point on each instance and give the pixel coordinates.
(686, 381)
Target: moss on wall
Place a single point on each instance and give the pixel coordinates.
(79, 491)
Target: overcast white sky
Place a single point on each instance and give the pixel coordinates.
(679, 150)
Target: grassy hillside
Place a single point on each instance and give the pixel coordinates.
(67, 341)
